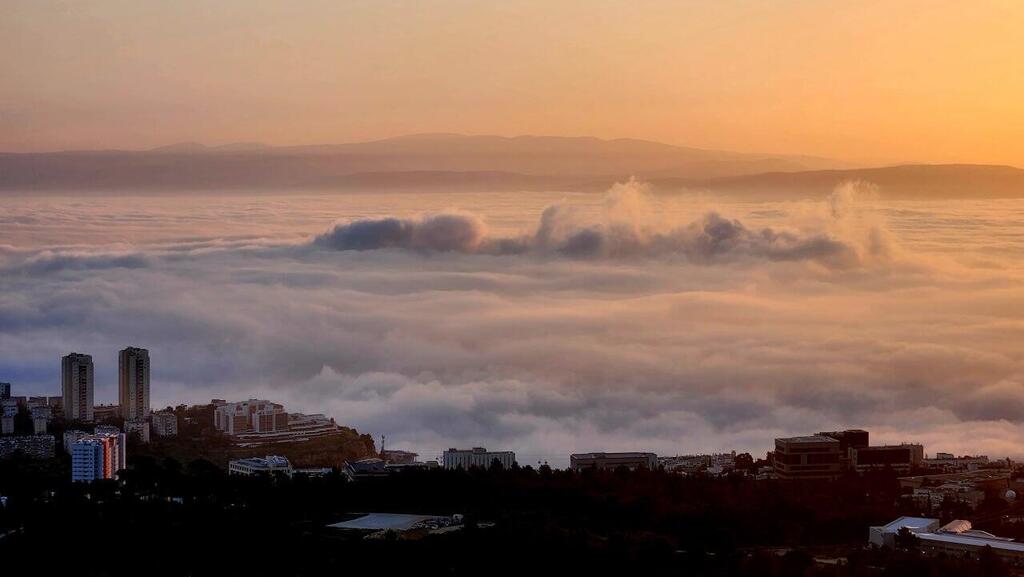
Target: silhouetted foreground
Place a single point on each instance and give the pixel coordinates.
(169, 519)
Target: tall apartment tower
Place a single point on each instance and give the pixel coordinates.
(133, 383)
(77, 386)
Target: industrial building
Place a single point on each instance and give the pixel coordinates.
(477, 457)
(632, 461)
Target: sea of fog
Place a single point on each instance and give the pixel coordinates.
(545, 323)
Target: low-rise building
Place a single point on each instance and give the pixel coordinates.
(260, 465)
(106, 430)
(165, 423)
(70, 437)
(138, 427)
(34, 446)
(8, 411)
(374, 467)
(810, 457)
(41, 415)
(900, 458)
(97, 456)
(632, 461)
(955, 539)
(949, 463)
(477, 457)
(102, 413)
(398, 457)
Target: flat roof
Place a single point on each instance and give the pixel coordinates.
(378, 521)
(613, 455)
(910, 523)
(977, 541)
(809, 439)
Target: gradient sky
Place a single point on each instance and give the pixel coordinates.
(922, 81)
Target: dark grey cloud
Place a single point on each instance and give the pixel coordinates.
(450, 231)
(623, 232)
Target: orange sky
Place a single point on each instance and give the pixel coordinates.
(869, 81)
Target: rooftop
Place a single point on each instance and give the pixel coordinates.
(809, 439)
(378, 521)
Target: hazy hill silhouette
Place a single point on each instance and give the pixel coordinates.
(917, 181)
(457, 162)
(444, 159)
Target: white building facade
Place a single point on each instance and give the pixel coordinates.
(477, 457)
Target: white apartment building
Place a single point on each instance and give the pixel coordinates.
(165, 423)
(252, 416)
(477, 457)
(133, 383)
(97, 456)
(77, 387)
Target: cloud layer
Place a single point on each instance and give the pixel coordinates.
(626, 322)
(627, 227)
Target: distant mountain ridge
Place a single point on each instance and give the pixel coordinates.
(911, 181)
(458, 162)
(246, 165)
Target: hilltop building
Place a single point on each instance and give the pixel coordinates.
(252, 416)
(256, 422)
(5, 391)
(78, 387)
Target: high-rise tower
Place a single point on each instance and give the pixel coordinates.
(133, 383)
(77, 386)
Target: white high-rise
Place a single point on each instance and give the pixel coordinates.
(133, 383)
(77, 386)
